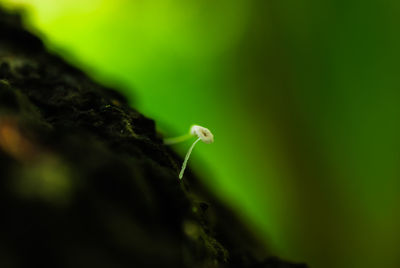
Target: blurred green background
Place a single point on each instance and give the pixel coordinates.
(302, 97)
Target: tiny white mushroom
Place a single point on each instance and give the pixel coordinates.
(203, 134)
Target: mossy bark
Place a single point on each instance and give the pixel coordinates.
(85, 181)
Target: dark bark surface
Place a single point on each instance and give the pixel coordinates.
(85, 181)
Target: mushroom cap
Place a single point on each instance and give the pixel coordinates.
(203, 133)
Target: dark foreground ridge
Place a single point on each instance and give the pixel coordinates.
(86, 182)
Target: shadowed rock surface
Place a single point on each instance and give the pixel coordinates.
(85, 181)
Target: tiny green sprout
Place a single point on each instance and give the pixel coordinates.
(203, 134)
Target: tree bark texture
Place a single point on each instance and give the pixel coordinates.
(85, 180)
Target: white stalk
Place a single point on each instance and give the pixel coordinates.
(170, 141)
(187, 158)
(203, 134)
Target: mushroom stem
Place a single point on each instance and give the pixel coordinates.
(179, 139)
(187, 158)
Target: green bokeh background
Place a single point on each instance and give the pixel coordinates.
(302, 97)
